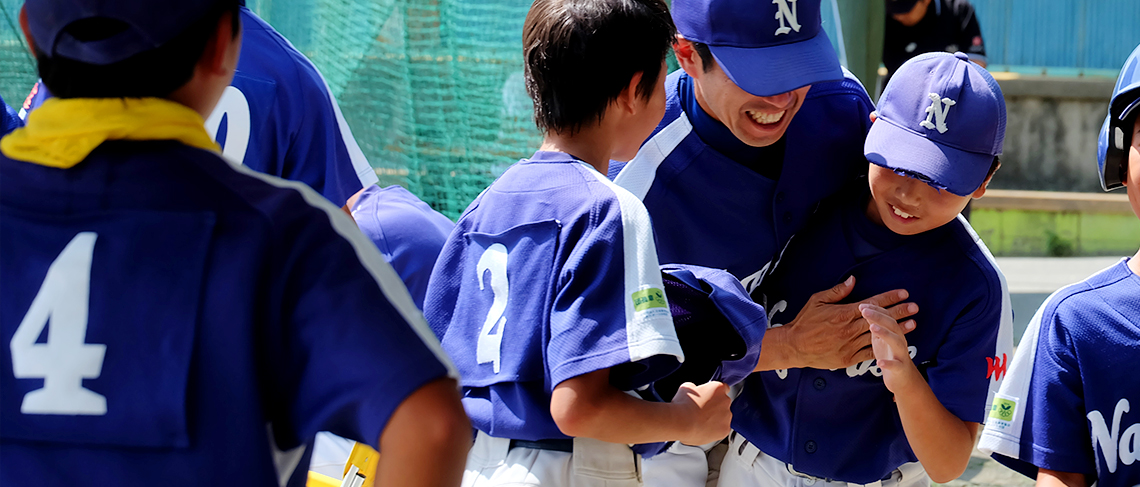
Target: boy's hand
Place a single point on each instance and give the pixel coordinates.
(889, 346)
(706, 411)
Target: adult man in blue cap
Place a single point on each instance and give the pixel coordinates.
(761, 124)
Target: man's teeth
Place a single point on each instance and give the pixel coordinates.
(902, 213)
(767, 118)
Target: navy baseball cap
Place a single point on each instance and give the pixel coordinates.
(941, 119)
(719, 326)
(766, 47)
(135, 26)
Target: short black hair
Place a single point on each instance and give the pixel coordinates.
(581, 54)
(154, 73)
(707, 59)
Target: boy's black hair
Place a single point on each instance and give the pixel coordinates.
(581, 54)
(707, 59)
(154, 73)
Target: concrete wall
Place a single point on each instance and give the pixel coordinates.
(1051, 130)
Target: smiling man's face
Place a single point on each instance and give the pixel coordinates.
(758, 121)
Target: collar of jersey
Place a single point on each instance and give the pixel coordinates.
(62, 132)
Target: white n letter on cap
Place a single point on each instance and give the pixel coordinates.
(788, 14)
(937, 110)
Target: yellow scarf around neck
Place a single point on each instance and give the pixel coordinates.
(63, 132)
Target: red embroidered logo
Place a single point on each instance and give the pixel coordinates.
(996, 367)
(977, 40)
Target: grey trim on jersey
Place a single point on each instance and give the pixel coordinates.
(360, 163)
(637, 175)
(370, 257)
(1004, 347)
(650, 331)
(1004, 437)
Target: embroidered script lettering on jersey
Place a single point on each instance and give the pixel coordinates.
(1110, 443)
(937, 111)
(787, 16)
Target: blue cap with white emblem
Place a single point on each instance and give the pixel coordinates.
(941, 118)
(1116, 132)
(766, 47)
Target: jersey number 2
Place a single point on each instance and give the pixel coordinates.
(65, 360)
(489, 348)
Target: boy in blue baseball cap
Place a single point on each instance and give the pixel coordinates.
(911, 414)
(203, 321)
(1064, 414)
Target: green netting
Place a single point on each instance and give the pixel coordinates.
(17, 68)
(433, 89)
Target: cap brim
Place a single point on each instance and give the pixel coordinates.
(893, 147)
(772, 70)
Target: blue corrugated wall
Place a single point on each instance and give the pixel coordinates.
(1087, 35)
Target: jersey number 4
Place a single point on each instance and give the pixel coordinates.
(65, 360)
(489, 348)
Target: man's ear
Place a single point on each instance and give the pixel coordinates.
(688, 57)
(627, 99)
(27, 31)
(981, 191)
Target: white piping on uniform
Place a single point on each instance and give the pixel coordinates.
(370, 257)
(637, 176)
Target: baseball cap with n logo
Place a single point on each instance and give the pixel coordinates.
(941, 119)
(103, 32)
(766, 47)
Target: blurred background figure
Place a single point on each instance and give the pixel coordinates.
(914, 27)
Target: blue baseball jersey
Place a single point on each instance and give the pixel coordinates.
(406, 230)
(9, 120)
(550, 273)
(719, 204)
(278, 117)
(163, 314)
(964, 328)
(1067, 402)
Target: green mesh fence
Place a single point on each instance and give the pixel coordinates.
(17, 67)
(433, 89)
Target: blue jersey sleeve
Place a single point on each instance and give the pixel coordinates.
(610, 307)
(960, 375)
(1056, 396)
(407, 231)
(352, 344)
(322, 149)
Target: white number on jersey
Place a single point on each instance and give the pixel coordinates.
(489, 348)
(235, 108)
(65, 360)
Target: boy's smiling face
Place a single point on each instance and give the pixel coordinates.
(908, 206)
